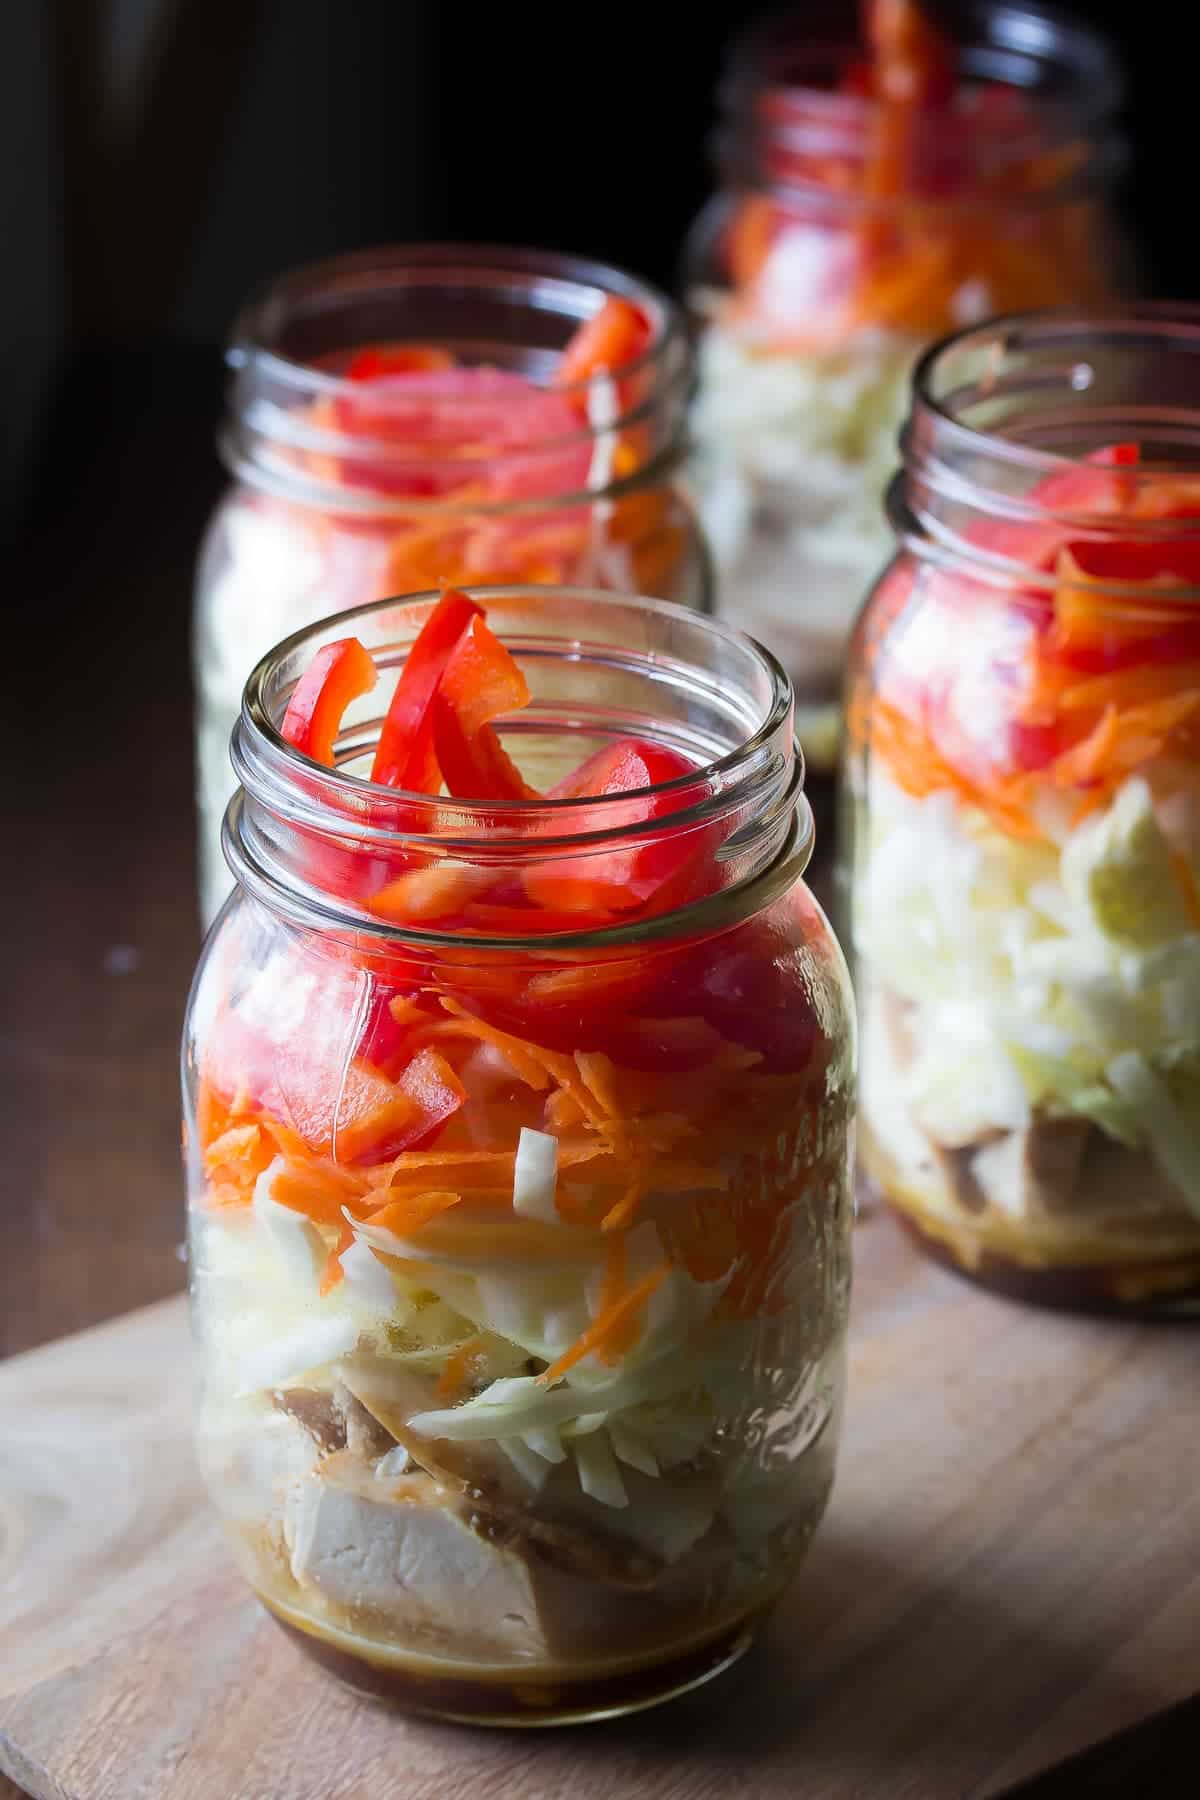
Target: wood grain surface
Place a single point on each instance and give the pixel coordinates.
(1007, 1573)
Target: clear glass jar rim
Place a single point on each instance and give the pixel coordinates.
(272, 440)
(1047, 326)
(767, 765)
(256, 326)
(816, 44)
(818, 35)
(943, 454)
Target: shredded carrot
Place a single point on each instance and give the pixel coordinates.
(406, 1011)
(307, 1189)
(333, 1273)
(599, 1072)
(622, 1213)
(608, 1325)
(458, 1369)
(1131, 687)
(238, 1157)
(408, 1213)
(453, 1167)
(212, 1115)
(562, 1111)
(526, 1067)
(558, 1067)
(223, 1195)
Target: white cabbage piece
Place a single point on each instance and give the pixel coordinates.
(294, 1239)
(599, 1475)
(1173, 1132)
(1028, 968)
(1118, 868)
(367, 1279)
(282, 1358)
(535, 1176)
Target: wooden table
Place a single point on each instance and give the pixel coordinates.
(97, 910)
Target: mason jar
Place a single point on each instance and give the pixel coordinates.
(399, 418)
(850, 230)
(520, 1242)
(1022, 812)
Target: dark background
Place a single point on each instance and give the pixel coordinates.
(158, 158)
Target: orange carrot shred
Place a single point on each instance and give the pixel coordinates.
(458, 1369)
(409, 1212)
(605, 1325)
(333, 1273)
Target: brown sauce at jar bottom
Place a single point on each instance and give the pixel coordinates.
(1166, 1291)
(505, 1699)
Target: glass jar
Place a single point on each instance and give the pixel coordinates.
(849, 232)
(522, 1406)
(1022, 795)
(356, 476)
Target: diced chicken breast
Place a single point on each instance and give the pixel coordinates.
(413, 1560)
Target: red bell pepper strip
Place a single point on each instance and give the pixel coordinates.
(611, 339)
(481, 683)
(619, 879)
(404, 756)
(477, 768)
(378, 360)
(913, 64)
(338, 674)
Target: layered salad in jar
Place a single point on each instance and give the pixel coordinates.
(390, 465)
(1026, 890)
(519, 1272)
(876, 198)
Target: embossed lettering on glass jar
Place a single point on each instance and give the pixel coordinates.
(1022, 812)
(406, 417)
(851, 229)
(521, 1264)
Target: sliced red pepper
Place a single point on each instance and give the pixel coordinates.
(405, 755)
(913, 64)
(477, 768)
(610, 340)
(524, 921)
(618, 880)
(386, 1029)
(481, 683)
(375, 360)
(338, 674)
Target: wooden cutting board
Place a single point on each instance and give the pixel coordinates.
(1008, 1572)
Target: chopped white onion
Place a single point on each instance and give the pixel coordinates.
(532, 1468)
(599, 1475)
(535, 1176)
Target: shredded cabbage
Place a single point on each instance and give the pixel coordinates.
(811, 439)
(1032, 972)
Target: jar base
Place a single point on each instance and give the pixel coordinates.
(512, 1702)
(1165, 1291)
